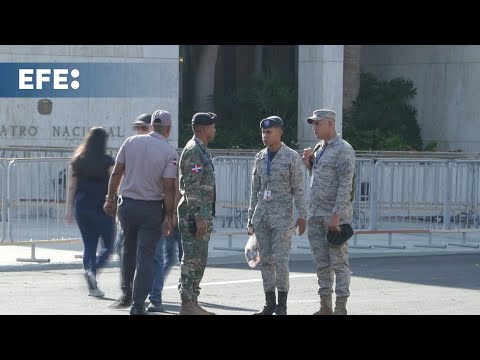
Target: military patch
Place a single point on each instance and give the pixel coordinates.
(197, 168)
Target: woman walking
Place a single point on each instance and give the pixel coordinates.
(89, 175)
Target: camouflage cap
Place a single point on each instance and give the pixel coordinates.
(338, 238)
(322, 114)
(271, 121)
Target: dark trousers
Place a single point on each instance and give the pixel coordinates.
(141, 223)
(94, 223)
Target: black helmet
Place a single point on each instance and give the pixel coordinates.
(338, 238)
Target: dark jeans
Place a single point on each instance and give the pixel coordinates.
(165, 258)
(94, 223)
(141, 223)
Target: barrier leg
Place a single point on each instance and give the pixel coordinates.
(33, 258)
(464, 242)
(430, 243)
(356, 246)
(230, 246)
(390, 244)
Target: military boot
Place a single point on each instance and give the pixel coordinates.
(269, 307)
(189, 308)
(195, 302)
(282, 303)
(325, 305)
(340, 306)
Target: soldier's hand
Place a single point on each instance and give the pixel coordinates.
(302, 226)
(250, 230)
(201, 229)
(334, 223)
(307, 156)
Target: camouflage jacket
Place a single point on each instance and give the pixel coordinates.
(286, 184)
(332, 183)
(196, 181)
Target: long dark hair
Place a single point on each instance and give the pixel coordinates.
(89, 157)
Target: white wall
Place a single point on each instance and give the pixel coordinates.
(22, 125)
(447, 78)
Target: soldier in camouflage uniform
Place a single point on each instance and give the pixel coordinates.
(277, 181)
(196, 210)
(331, 166)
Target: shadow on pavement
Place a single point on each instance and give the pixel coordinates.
(449, 270)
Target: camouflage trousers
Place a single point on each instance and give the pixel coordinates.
(194, 261)
(274, 243)
(328, 260)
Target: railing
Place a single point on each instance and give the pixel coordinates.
(392, 196)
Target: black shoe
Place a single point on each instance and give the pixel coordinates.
(138, 311)
(155, 307)
(125, 301)
(90, 279)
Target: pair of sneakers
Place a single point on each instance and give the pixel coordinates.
(93, 289)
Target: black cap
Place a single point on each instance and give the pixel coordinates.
(204, 118)
(143, 119)
(271, 121)
(338, 238)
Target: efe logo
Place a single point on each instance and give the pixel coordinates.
(33, 79)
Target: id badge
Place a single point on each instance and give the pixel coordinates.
(311, 179)
(267, 194)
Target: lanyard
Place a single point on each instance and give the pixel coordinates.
(320, 155)
(268, 162)
(206, 153)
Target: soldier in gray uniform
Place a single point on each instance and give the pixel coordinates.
(331, 166)
(277, 181)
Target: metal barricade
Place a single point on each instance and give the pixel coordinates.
(409, 193)
(233, 176)
(425, 196)
(36, 200)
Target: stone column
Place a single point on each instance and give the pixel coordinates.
(320, 85)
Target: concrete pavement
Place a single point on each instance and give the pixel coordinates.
(68, 255)
(402, 285)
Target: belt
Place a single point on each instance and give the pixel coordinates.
(121, 198)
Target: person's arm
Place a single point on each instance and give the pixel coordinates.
(307, 159)
(178, 196)
(254, 189)
(194, 186)
(299, 193)
(110, 205)
(72, 189)
(345, 168)
(169, 203)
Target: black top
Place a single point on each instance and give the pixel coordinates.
(90, 192)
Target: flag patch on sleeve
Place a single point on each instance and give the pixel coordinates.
(197, 168)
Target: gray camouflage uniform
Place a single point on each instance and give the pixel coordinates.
(330, 192)
(273, 219)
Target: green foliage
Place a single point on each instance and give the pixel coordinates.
(241, 111)
(381, 118)
(431, 146)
